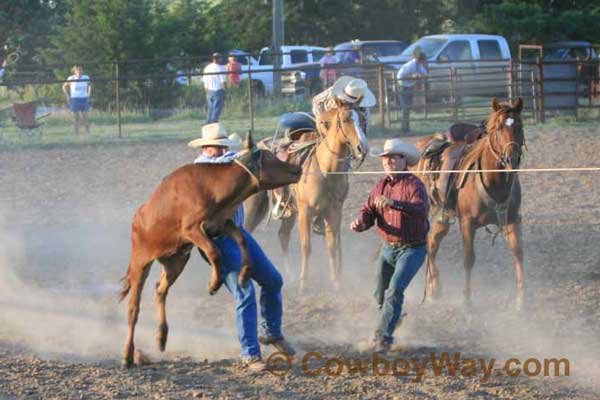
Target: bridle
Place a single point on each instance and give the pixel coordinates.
(502, 156)
(340, 126)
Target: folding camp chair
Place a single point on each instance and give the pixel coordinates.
(25, 118)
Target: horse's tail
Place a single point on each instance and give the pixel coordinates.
(126, 285)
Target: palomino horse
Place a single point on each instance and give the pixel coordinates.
(318, 193)
(483, 198)
(190, 205)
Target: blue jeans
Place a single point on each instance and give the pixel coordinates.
(270, 282)
(406, 101)
(397, 267)
(214, 101)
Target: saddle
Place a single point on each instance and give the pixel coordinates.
(444, 151)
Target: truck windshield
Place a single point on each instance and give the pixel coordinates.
(429, 46)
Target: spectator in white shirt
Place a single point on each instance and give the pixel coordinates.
(408, 76)
(214, 79)
(77, 89)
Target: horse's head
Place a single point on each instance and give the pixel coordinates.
(268, 171)
(346, 122)
(505, 128)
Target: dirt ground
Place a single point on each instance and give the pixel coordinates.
(64, 244)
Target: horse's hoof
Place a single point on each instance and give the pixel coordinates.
(161, 339)
(127, 363)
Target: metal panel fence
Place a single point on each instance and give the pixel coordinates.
(135, 98)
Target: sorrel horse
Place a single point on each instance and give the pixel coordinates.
(189, 206)
(319, 193)
(483, 198)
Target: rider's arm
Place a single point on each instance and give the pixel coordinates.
(417, 204)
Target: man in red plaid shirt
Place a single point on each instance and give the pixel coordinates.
(399, 205)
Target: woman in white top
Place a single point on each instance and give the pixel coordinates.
(77, 89)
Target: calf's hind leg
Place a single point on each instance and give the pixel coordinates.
(172, 266)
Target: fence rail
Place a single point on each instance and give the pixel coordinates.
(134, 89)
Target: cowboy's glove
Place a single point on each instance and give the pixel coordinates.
(382, 202)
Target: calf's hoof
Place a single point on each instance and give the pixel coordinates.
(214, 287)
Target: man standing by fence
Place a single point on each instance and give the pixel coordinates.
(234, 70)
(407, 77)
(214, 79)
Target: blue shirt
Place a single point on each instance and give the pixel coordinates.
(238, 217)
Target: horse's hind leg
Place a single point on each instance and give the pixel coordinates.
(432, 285)
(172, 268)
(136, 276)
(304, 228)
(285, 232)
(513, 235)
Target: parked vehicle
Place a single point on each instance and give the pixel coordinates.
(368, 51)
(294, 58)
(480, 63)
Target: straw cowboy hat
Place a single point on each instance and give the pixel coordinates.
(397, 146)
(350, 90)
(215, 135)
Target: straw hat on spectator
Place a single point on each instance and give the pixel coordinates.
(397, 146)
(351, 90)
(216, 135)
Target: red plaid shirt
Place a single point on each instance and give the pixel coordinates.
(406, 221)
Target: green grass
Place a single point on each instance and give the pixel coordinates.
(186, 124)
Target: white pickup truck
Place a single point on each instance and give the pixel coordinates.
(480, 62)
(294, 58)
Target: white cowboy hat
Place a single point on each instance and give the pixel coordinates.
(350, 90)
(215, 135)
(397, 146)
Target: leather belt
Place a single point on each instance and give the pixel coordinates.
(406, 245)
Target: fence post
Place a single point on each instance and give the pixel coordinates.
(381, 95)
(511, 93)
(541, 89)
(118, 94)
(534, 96)
(579, 68)
(250, 104)
(452, 73)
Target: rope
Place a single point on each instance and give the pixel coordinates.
(526, 170)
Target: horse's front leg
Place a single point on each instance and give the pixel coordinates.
(468, 233)
(332, 235)
(514, 238)
(233, 231)
(304, 226)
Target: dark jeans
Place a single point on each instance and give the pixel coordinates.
(270, 281)
(406, 101)
(214, 101)
(397, 267)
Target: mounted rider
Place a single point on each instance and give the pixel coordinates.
(346, 90)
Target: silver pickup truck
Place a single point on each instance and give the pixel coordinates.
(479, 63)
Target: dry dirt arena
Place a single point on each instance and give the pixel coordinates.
(65, 214)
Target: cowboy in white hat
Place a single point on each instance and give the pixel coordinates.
(399, 205)
(215, 143)
(348, 90)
